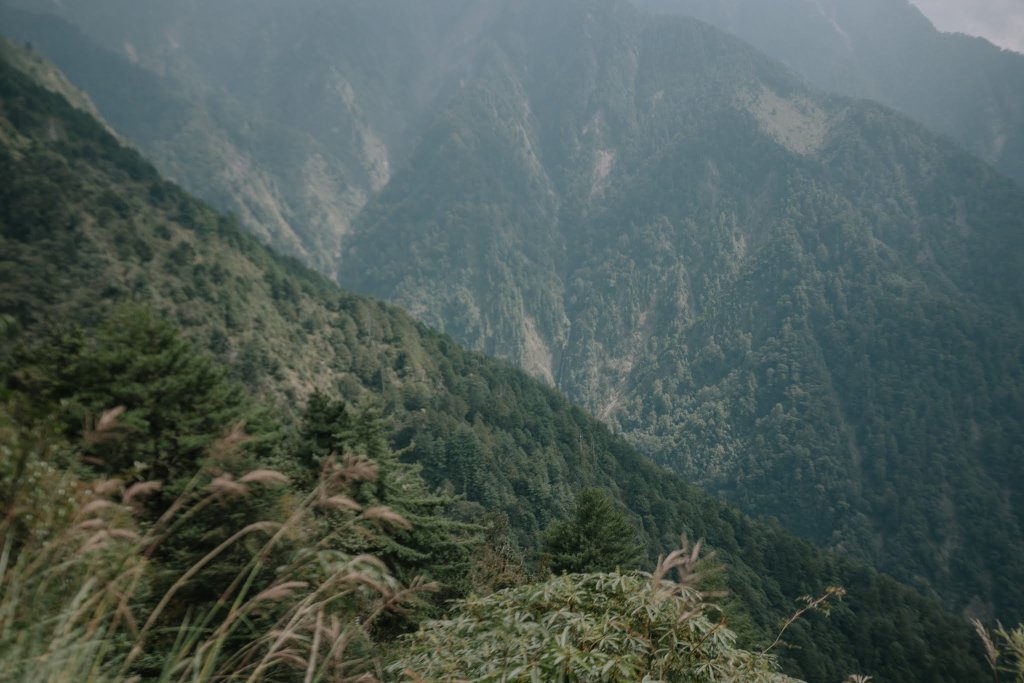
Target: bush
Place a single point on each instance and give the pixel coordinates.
(617, 626)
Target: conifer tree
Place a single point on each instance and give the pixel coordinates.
(597, 537)
(176, 400)
(425, 540)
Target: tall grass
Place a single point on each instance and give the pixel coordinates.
(1004, 651)
(77, 600)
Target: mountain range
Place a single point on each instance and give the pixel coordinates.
(960, 86)
(87, 225)
(807, 304)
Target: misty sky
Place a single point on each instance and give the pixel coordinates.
(1001, 21)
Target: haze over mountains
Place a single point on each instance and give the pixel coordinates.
(886, 50)
(87, 225)
(807, 304)
(998, 21)
(218, 111)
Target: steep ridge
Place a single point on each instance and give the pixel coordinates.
(47, 75)
(86, 223)
(282, 184)
(289, 116)
(807, 304)
(886, 50)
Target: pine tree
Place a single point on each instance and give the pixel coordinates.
(427, 541)
(176, 400)
(597, 537)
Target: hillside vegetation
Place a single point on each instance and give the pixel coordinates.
(808, 305)
(87, 225)
(209, 92)
(805, 304)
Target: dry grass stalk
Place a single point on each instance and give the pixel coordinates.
(280, 591)
(225, 448)
(93, 569)
(266, 478)
(991, 651)
(140, 489)
(822, 602)
(106, 428)
(106, 487)
(94, 506)
(353, 468)
(382, 513)
(339, 503)
(226, 485)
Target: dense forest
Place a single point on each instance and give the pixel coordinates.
(191, 420)
(808, 305)
(805, 304)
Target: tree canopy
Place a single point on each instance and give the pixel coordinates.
(597, 537)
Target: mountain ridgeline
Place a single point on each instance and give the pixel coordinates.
(886, 50)
(209, 92)
(87, 225)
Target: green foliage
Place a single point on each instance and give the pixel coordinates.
(475, 425)
(175, 400)
(587, 627)
(427, 542)
(34, 473)
(225, 572)
(498, 563)
(808, 306)
(77, 600)
(1005, 651)
(756, 283)
(597, 537)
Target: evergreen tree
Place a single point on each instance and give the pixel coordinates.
(596, 538)
(499, 563)
(176, 400)
(424, 540)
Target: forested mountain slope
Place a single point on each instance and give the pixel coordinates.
(50, 77)
(807, 304)
(886, 50)
(86, 223)
(210, 93)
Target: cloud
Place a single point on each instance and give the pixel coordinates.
(1000, 21)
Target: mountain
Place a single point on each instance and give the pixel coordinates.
(47, 75)
(806, 304)
(886, 50)
(86, 225)
(293, 159)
